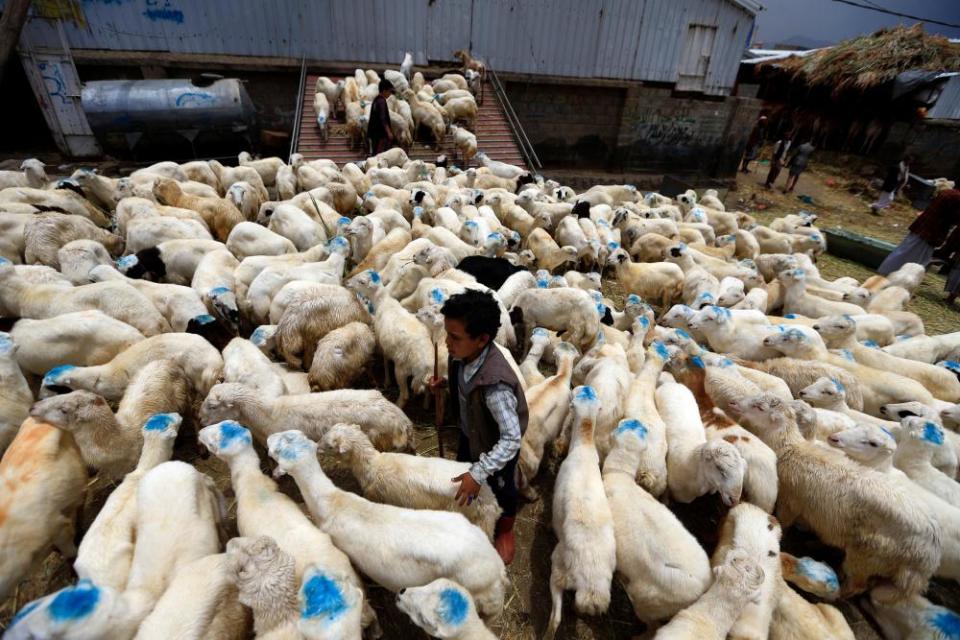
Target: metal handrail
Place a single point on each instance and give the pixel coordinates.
(526, 147)
(298, 114)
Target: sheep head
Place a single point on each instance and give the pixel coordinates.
(865, 443)
(168, 192)
(618, 257)
(710, 316)
(330, 605)
(82, 610)
(225, 402)
(226, 439)
(859, 296)
(824, 391)
(790, 342)
(740, 575)
(792, 276)
(585, 403)
(224, 302)
(343, 438)
(723, 470)
(71, 411)
(262, 571)
(922, 431)
(291, 450)
(901, 410)
(951, 415)
(162, 426)
(631, 435)
(835, 327)
(764, 412)
(264, 338)
(442, 608)
(60, 379)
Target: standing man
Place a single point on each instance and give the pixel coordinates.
(488, 404)
(754, 142)
(797, 163)
(780, 151)
(379, 131)
(931, 229)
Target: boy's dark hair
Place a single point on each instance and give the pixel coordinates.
(478, 310)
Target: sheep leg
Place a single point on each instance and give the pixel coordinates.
(404, 387)
(558, 581)
(369, 621)
(386, 371)
(63, 541)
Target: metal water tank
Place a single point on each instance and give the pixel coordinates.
(135, 108)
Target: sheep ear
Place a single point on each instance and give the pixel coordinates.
(99, 400)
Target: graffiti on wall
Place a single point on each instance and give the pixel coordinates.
(54, 82)
(660, 128)
(163, 10)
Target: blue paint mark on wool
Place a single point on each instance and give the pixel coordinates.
(259, 336)
(5, 261)
(321, 598)
(23, 613)
(343, 220)
(436, 295)
(585, 392)
(374, 276)
(791, 316)
(697, 361)
(160, 421)
(291, 446)
(946, 622)
(952, 365)
(661, 350)
(6, 343)
(634, 299)
(933, 433)
(632, 426)
(683, 334)
(127, 261)
(889, 433)
(205, 318)
(453, 607)
(54, 374)
(219, 291)
(232, 431)
(644, 322)
(543, 283)
(613, 246)
(873, 344)
(846, 353)
(76, 602)
(819, 572)
(838, 385)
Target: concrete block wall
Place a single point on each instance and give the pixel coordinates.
(635, 128)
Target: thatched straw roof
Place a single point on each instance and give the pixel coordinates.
(868, 61)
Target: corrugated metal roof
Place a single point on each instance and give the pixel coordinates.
(948, 104)
(617, 39)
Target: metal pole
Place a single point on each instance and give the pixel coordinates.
(11, 24)
(438, 399)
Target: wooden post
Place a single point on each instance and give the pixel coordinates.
(11, 24)
(438, 398)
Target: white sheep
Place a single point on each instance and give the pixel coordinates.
(311, 315)
(262, 510)
(386, 425)
(293, 223)
(16, 397)
(106, 551)
(213, 281)
(410, 481)
(341, 356)
(174, 261)
(736, 582)
(443, 609)
(930, 349)
(46, 233)
(696, 466)
(251, 239)
(567, 310)
(659, 577)
(661, 282)
(201, 362)
(605, 370)
(31, 174)
(920, 438)
(914, 618)
(116, 299)
(146, 232)
(586, 553)
(413, 547)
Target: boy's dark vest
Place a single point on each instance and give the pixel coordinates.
(482, 430)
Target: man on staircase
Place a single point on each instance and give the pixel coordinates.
(379, 131)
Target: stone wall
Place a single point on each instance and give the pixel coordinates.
(934, 142)
(633, 129)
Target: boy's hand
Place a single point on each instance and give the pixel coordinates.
(468, 489)
(437, 384)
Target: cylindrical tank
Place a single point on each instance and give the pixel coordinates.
(150, 106)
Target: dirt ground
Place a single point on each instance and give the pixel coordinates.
(528, 600)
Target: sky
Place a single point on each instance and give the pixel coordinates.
(819, 22)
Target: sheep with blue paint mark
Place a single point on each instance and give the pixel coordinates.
(262, 510)
(443, 609)
(109, 442)
(586, 553)
(106, 550)
(330, 606)
(401, 547)
(920, 439)
(736, 333)
(24, 299)
(662, 566)
(914, 618)
(201, 362)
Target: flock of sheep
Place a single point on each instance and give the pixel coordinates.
(733, 368)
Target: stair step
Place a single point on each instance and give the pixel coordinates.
(493, 132)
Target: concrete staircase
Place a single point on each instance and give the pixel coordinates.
(494, 135)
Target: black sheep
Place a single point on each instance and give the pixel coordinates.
(490, 272)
